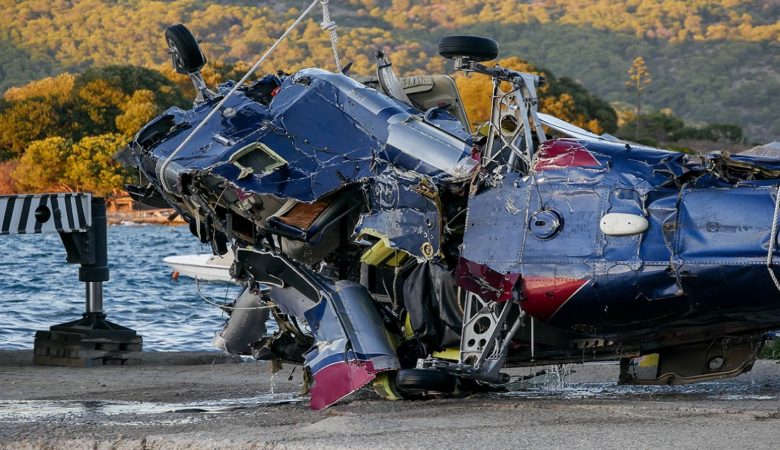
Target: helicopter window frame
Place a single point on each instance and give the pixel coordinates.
(274, 161)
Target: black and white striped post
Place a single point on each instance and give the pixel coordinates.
(80, 220)
(45, 213)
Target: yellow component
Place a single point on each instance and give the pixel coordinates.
(650, 360)
(384, 386)
(381, 252)
(408, 332)
(452, 354)
(427, 250)
(484, 129)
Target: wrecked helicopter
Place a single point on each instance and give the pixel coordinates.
(395, 246)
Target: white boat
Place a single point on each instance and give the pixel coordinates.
(204, 267)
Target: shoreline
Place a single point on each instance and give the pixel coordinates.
(192, 400)
(155, 216)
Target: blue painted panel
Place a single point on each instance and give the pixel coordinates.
(725, 226)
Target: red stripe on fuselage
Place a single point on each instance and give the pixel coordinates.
(336, 381)
(562, 153)
(543, 296)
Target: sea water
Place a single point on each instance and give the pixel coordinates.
(38, 289)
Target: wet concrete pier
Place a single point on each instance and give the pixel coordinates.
(207, 400)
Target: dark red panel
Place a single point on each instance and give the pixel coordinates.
(544, 296)
(562, 153)
(484, 281)
(338, 380)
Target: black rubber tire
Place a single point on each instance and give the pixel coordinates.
(188, 58)
(473, 48)
(418, 381)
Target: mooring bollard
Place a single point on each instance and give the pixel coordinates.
(80, 220)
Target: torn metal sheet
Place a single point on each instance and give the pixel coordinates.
(404, 210)
(350, 345)
(363, 132)
(402, 251)
(700, 237)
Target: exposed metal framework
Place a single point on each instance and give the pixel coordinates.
(514, 120)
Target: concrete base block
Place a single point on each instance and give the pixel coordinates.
(56, 348)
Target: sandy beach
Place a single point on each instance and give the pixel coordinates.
(207, 400)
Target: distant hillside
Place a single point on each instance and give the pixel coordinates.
(711, 60)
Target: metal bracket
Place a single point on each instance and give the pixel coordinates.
(482, 324)
(484, 342)
(204, 93)
(514, 114)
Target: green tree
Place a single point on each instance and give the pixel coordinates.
(714, 132)
(586, 103)
(128, 79)
(665, 129)
(101, 96)
(34, 111)
(58, 87)
(99, 101)
(639, 79)
(137, 111)
(26, 121)
(657, 128)
(43, 166)
(90, 165)
(56, 163)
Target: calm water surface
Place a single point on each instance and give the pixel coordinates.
(37, 288)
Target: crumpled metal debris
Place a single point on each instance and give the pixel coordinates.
(353, 205)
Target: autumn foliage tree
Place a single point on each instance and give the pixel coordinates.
(7, 184)
(91, 167)
(562, 98)
(42, 167)
(62, 131)
(704, 45)
(56, 164)
(103, 100)
(68, 123)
